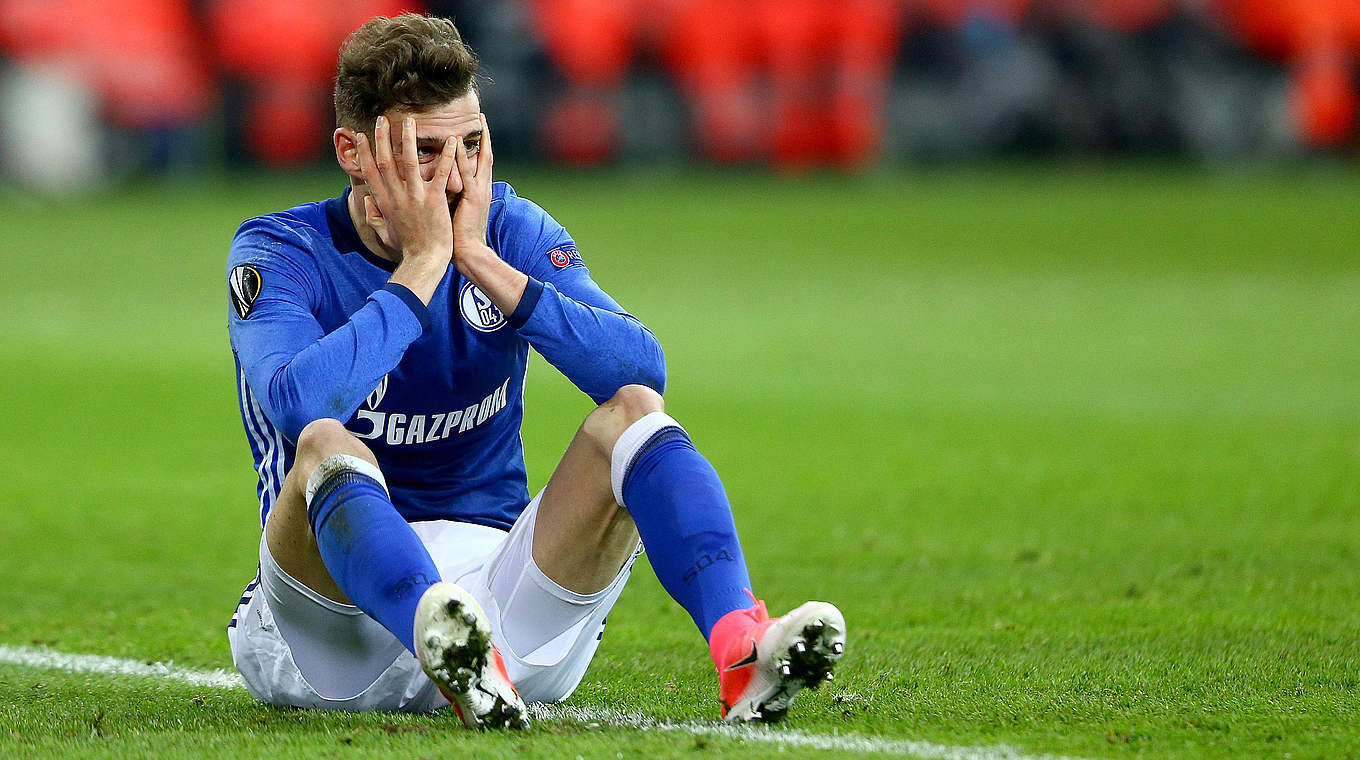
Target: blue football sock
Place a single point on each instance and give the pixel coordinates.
(685, 520)
(370, 550)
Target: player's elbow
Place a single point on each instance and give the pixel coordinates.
(292, 411)
(292, 422)
(647, 369)
(294, 418)
(654, 377)
(290, 419)
(647, 360)
(650, 369)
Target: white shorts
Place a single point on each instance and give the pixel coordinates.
(295, 647)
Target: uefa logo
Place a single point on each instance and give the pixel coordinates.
(478, 310)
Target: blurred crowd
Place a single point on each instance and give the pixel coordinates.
(163, 85)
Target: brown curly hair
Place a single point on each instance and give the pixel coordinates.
(410, 61)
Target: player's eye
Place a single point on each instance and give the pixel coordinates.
(472, 146)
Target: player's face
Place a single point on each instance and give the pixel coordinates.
(460, 119)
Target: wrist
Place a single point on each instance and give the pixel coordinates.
(474, 256)
(420, 276)
(425, 256)
(502, 283)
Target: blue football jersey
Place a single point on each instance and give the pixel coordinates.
(436, 392)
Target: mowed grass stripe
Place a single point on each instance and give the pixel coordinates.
(47, 659)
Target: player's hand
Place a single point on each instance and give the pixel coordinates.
(409, 213)
(474, 203)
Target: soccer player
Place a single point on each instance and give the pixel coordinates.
(381, 339)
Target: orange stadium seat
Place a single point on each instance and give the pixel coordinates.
(825, 64)
(1320, 39)
(285, 51)
(829, 64)
(592, 45)
(141, 57)
(590, 41)
(712, 50)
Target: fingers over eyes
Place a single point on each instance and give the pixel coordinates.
(447, 158)
(410, 162)
(382, 144)
(367, 163)
(484, 156)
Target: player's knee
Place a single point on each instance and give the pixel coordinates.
(635, 402)
(324, 437)
(320, 436)
(629, 404)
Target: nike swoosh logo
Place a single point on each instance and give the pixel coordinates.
(747, 660)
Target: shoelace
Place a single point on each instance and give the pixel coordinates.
(758, 612)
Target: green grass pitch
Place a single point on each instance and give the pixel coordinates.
(1077, 452)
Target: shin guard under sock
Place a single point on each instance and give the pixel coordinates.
(681, 510)
(368, 548)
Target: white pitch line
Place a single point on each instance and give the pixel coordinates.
(790, 737)
(48, 659)
(116, 666)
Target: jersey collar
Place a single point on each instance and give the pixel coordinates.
(346, 237)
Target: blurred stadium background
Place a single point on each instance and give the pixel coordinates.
(170, 86)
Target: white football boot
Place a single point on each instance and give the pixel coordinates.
(453, 644)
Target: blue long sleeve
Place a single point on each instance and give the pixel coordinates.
(595, 345)
(299, 372)
(564, 314)
(331, 376)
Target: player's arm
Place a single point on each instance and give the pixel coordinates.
(587, 336)
(564, 315)
(300, 374)
(475, 260)
(567, 318)
(297, 371)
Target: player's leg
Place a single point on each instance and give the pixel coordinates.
(335, 526)
(673, 499)
(629, 453)
(566, 559)
(334, 529)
